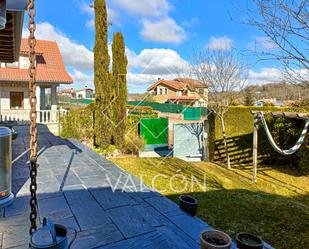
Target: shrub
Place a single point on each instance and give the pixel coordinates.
(78, 124)
(239, 129)
(133, 143)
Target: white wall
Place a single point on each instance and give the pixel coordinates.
(5, 97)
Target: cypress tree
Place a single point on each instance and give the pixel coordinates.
(102, 78)
(249, 100)
(119, 68)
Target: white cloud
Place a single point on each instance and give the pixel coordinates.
(150, 64)
(157, 61)
(81, 79)
(273, 75)
(265, 75)
(191, 22)
(112, 15)
(165, 30)
(74, 54)
(142, 8)
(220, 43)
(261, 43)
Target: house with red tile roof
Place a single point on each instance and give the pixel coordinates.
(185, 91)
(14, 78)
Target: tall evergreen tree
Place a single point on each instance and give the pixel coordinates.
(119, 67)
(102, 78)
(249, 100)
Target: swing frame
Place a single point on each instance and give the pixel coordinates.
(293, 115)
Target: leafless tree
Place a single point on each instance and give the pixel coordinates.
(225, 76)
(285, 25)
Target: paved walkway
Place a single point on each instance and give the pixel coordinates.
(74, 188)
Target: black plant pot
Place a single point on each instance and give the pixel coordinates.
(188, 204)
(249, 241)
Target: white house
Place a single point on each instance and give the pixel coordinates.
(14, 92)
(85, 93)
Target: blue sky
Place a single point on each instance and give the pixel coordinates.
(160, 36)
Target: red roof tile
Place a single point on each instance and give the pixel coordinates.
(50, 67)
(179, 84)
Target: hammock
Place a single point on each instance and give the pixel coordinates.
(293, 149)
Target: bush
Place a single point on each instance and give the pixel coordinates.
(239, 129)
(109, 151)
(78, 124)
(133, 143)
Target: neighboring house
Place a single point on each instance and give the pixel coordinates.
(181, 91)
(67, 92)
(267, 102)
(85, 93)
(14, 92)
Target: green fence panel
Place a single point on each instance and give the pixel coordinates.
(154, 130)
(192, 113)
(171, 108)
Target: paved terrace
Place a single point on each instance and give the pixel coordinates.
(74, 190)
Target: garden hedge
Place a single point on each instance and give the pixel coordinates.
(239, 130)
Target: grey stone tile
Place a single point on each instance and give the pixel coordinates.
(68, 179)
(189, 225)
(162, 204)
(1, 238)
(97, 237)
(20, 205)
(7, 225)
(159, 239)
(109, 199)
(131, 220)
(54, 208)
(17, 238)
(76, 195)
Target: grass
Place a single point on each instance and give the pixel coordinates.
(277, 208)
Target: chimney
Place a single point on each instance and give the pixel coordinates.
(159, 79)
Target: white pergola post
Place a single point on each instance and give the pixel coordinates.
(53, 96)
(38, 98)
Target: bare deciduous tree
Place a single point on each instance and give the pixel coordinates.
(285, 24)
(225, 76)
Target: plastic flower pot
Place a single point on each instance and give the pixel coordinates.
(188, 204)
(249, 241)
(14, 134)
(214, 239)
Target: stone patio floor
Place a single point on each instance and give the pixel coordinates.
(74, 189)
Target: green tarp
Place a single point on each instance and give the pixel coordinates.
(154, 130)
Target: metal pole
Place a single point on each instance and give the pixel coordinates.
(255, 147)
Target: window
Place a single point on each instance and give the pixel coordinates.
(161, 91)
(165, 90)
(201, 91)
(17, 100)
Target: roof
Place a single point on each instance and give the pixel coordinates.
(184, 98)
(179, 84)
(50, 67)
(84, 89)
(66, 90)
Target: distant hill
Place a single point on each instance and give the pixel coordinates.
(280, 91)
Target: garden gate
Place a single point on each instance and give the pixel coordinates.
(189, 141)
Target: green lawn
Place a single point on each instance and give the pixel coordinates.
(277, 208)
